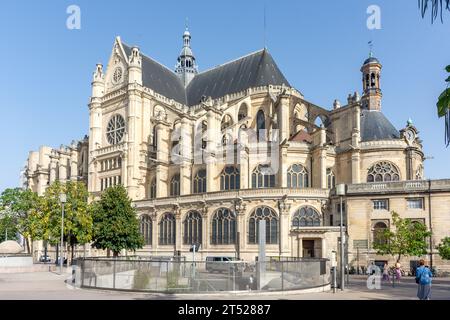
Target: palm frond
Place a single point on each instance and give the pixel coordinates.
(437, 8)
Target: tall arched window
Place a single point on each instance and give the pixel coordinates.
(260, 125)
(263, 177)
(243, 112)
(223, 227)
(331, 179)
(146, 229)
(175, 185)
(153, 188)
(306, 217)
(200, 181)
(378, 233)
(383, 171)
(230, 178)
(193, 228)
(271, 218)
(155, 139)
(227, 122)
(297, 177)
(167, 229)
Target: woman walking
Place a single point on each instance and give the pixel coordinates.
(423, 280)
(386, 272)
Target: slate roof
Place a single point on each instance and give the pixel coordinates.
(375, 126)
(253, 70)
(160, 79)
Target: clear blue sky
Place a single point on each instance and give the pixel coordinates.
(319, 46)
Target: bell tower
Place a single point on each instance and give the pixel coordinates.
(186, 67)
(371, 72)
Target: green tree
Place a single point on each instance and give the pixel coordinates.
(443, 107)
(16, 205)
(444, 248)
(46, 220)
(116, 226)
(437, 7)
(409, 238)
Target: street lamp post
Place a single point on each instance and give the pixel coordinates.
(63, 200)
(340, 191)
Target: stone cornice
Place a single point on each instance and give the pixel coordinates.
(231, 196)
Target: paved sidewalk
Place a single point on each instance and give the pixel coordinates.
(51, 286)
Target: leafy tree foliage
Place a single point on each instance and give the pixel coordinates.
(16, 206)
(444, 248)
(443, 107)
(46, 217)
(437, 7)
(116, 226)
(409, 238)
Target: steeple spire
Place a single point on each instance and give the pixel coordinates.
(186, 67)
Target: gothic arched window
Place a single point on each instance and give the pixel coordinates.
(146, 229)
(223, 227)
(175, 185)
(263, 177)
(263, 213)
(306, 217)
(243, 112)
(192, 228)
(378, 233)
(227, 122)
(260, 125)
(383, 171)
(167, 229)
(331, 179)
(153, 189)
(297, 177)
(200, 181)
(155, 139)
(230, 178)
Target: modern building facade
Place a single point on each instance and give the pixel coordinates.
(206, 155)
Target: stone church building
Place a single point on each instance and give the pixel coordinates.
(207, 154)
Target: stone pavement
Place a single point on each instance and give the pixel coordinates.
(51, 286)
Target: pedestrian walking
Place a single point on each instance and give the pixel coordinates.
(250, 282)
(386, 272)
(423, 280)
(398, 271)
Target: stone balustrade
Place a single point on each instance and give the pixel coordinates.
(251, 194)
(399, 186)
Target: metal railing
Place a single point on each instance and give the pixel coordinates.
(179, 276)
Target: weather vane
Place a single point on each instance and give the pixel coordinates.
(370, 48)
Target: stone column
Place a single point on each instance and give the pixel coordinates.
(283, 116)
(283, 166)
(284, 208)
(205, 229)
(62, 169)
(133, 119)
(356, 138)
(186, 157)
(243, 168)
(162, 169)
(240, 210)
(155, 232)
(52, 169)
(95, 123)
(125, 169)
(73, 165)
(178, 229)
(213, 140)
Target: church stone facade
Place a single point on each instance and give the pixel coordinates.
(206, 155)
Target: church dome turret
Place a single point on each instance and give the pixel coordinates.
(186, 66)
